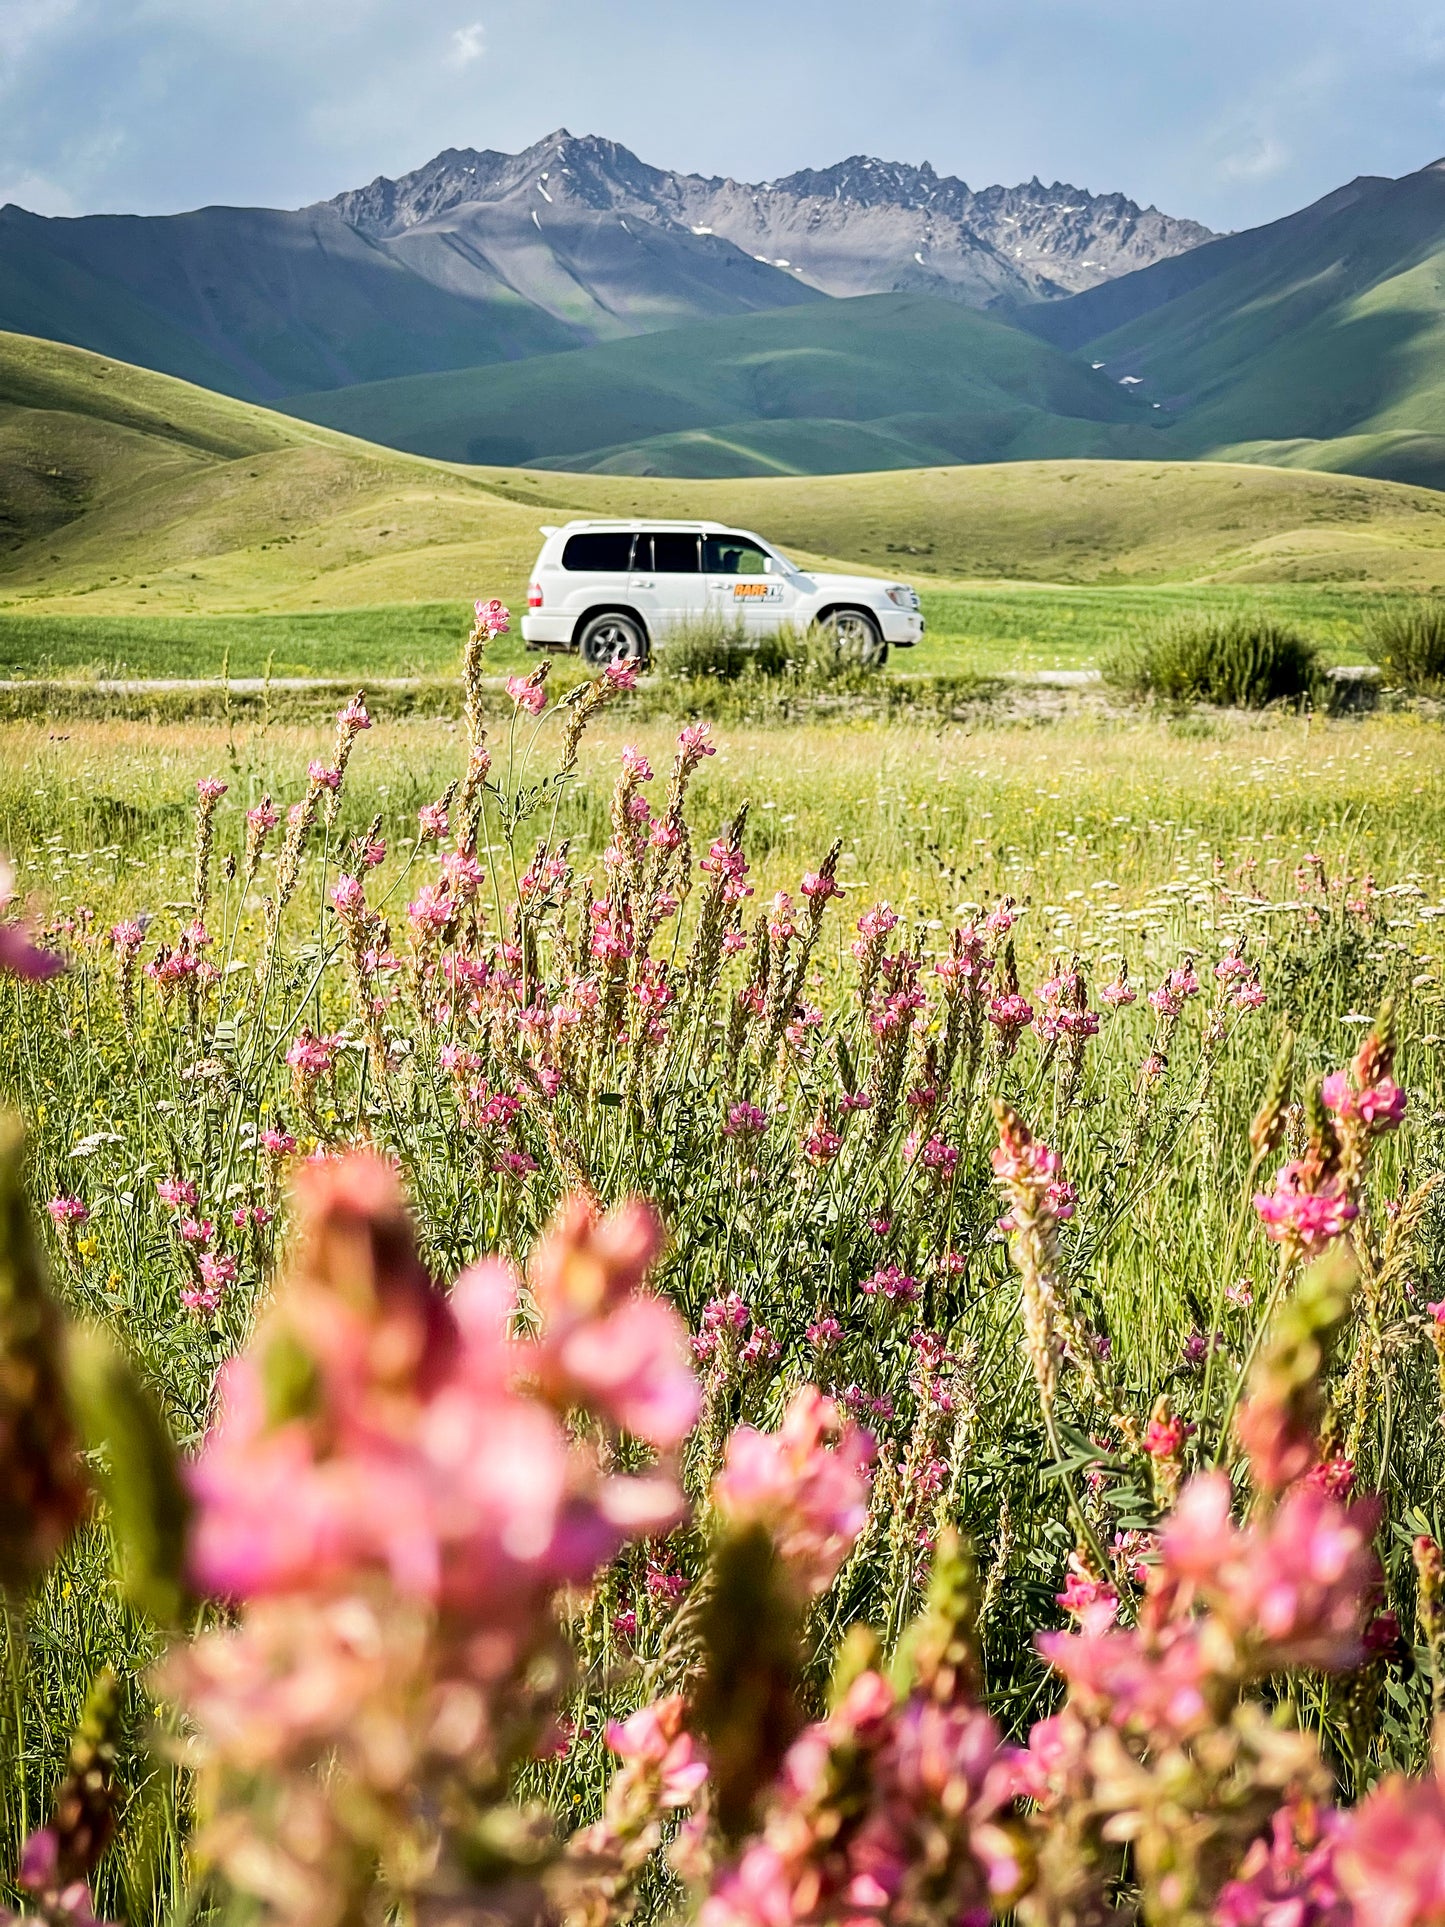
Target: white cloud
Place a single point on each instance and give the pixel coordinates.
(1256, 160)
(468, 44)
(35, 193)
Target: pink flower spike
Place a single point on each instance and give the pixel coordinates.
(210, 790)
(807, 1482)
(493, 617)
(527, 695)
(348, 896)
(68, 1211)
(1291, 1214)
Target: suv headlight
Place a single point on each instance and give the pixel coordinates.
(902, 596)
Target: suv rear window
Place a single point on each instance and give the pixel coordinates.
(674, 554)
(609, 552)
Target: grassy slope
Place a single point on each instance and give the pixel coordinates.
(251, 301)
(1326, 347)
(134, 501)
(933, 381)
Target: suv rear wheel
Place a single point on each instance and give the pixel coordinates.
(613, 637)
(857, 638)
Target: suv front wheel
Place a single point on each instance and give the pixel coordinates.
(613, 637)
(857, 638)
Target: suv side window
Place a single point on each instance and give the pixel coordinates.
(734, 555)
(607, 552)
(674, 554)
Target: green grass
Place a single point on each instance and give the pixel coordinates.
(982, 631)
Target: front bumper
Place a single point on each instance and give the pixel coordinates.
(901, 627)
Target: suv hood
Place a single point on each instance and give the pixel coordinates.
(859, 585)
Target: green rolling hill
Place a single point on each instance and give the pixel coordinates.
(1318, 341)
(881, 381)
(131, 493)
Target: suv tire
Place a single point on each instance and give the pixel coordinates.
(614, 636)
(857, 638)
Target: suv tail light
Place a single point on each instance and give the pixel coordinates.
(534, 596)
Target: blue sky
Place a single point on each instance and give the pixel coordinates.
(1232, 111)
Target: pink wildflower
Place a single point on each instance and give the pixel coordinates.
(656, 1742)
(694, 741)
(607, 1345)
(348, 896)
(19, 958)
(68, 1211)
(432, 821)
(527, 695)
(323, 776)
(1379, 1107)
(1164, 1436)
(310, 1055)
(891, 1283)
(218, 1272)
(1291, 1214)
(493, 617)
(745, 1121)
(1289, 1878)
(1391, 1860)
(807, 1482)
(822, 1145)
(210, 789)
(176, 1191)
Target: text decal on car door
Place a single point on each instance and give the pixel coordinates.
(757, 592)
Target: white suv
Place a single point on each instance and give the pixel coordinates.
(610, 590)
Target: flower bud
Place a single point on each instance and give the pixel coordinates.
(43, 1493)
(1268, 1127)
(139, 1477)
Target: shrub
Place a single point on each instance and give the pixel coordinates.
(708, 648)
(715, 651)
(1238, 662)
(1406, 641)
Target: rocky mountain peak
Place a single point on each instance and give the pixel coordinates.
(860, 226)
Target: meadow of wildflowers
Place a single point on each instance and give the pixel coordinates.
(568, 1354)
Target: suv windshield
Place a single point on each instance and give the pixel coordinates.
(735, 555)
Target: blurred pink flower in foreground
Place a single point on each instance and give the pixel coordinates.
(1391, 1862)
(420, 1453)
(807, 1482)
(19, 957)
